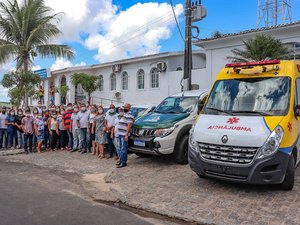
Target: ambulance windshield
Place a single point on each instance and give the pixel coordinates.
(264, 96)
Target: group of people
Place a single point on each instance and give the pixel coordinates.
(75, 128)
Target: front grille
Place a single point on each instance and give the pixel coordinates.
(222, 175)
(143, 132)
(227, 154)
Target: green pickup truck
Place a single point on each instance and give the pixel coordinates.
(166, 129)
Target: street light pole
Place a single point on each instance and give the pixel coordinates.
(188, 45)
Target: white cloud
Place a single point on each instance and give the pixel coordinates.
(116, 34)
(82, 16)
(5, 68)
(34, 68)
(134, 32)
(62, 63)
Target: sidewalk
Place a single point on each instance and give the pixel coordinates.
(161, 186)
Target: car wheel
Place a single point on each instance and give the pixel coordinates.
(289, 180)
(181, 151)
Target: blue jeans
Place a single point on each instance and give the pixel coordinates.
(12, 134)
(83, 138)
(70, 144)
(28, 139)
(123, 150)
(110, 144)
(76, 136)
(20, 138)
(3, 133)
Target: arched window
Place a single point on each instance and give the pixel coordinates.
(113, 82)
(63, 83)
(100, 83)
(140, 79)
(124, 81)
(154, 74)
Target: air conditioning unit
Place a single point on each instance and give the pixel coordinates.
(116, 68)
(118, 95)
(161, 66)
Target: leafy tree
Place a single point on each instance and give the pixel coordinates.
(261, 47)
(63, 91)
(216, 34)
(88, 82)
(21, 85)
(26, 29)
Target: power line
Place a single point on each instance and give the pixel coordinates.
(148, 25)
(122, 42)
(175, 17)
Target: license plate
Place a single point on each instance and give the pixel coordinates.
(139, 143)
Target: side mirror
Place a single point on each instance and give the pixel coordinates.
(200, 106)
(297, 110)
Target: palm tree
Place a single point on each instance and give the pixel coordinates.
(261, 47)
(25, 32)
(89, 83)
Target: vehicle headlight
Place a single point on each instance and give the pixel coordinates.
(272, 144)
(192, 142)
(164, 132)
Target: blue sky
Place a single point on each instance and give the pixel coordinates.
(225, 16)
(107, 30)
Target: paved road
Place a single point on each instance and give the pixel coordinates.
(32, 195)
(159, 185)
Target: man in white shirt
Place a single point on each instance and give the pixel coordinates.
(82, 122)
(109, 122)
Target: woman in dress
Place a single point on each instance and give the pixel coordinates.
(98, 129)
(39, 127)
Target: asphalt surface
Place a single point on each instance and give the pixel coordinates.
(33, 195)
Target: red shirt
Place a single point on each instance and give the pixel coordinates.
(67, 118)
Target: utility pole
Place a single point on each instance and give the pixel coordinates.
(193, 13)
(188, 45)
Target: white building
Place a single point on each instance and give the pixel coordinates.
(149, 79)
(141, 80)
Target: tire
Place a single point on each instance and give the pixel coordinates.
(289, 180)
(181, 152)
(142, 155)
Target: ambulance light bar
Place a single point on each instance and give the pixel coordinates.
(246, 64)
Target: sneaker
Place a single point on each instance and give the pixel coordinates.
(122, 165)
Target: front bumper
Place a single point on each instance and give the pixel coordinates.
(153, 145)
(270, 170)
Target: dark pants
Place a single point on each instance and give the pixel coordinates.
(53, 139)
(83, 138)
(110, 144)
(63, 138)
(46, 137)
(3, 133)
(70, 136)
(123, 151)
(12, 134)
(28, 139)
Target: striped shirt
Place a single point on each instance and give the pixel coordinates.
(67, 118)
(123, 123)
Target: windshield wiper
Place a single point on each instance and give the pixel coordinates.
(220, 110)
(253, 112)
